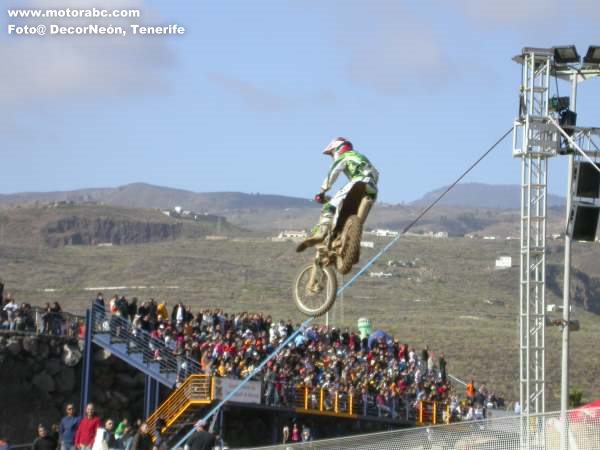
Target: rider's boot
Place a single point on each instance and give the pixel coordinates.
(318, 235)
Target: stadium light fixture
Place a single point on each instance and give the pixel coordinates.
(593, 55)
(566, 54)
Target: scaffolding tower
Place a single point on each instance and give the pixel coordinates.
(535, 140)
(538, 135)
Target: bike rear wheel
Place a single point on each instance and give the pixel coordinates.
(315, 290)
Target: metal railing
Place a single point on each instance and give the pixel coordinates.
(36, 320)
(338, 402)
(154, 351)
(196, 389)
(432, 412)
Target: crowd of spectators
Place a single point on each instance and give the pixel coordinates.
(47, 320)
(90, 432)
(383, 376)
(477, 404)
(296, 433)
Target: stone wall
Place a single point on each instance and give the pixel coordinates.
(40, 374)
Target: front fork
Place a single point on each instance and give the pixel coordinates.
(322, 258)
(313, 283)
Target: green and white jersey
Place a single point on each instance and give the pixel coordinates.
(355, 166)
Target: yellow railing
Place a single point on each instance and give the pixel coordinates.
(198, 390)
(431, 412)
(324, 401)
(195, 390)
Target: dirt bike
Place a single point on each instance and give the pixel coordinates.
(315, 288)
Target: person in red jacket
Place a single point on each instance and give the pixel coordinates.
(84, 438)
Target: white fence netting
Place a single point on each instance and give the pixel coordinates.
(534, 432)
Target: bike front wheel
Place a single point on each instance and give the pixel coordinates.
(315, 290)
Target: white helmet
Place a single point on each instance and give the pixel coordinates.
(338, 146)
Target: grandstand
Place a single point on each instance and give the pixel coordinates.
(381, 384)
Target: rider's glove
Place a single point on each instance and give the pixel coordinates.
(320, 197)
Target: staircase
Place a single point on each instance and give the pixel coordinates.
(182, 407)
(139, 349)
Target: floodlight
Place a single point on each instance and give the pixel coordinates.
(593, 55)
(566, 54)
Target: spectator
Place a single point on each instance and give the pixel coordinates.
(126, 438)
(68, 428)
(4, 445)
(471, 392)
(306, 436)
(442, 365)
(105, 437)
(178, 313)
(86, 431)
(286, 434)
(123, 424)
(11, 308)
(142, 440)
(44, 441)
(55, 325)
(132, 308)
(99, 301)
(112, 304)
(161, 441)
(295, 433)
(162, 312)
(200, 439)
(46, 315)
(123, 307)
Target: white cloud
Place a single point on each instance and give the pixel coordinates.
(62, 68)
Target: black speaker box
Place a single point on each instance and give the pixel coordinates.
(586, 180)
(583, 221)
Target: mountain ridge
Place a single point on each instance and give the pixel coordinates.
(482, 195)
(145, 195)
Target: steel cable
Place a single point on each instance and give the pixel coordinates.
(308, 321)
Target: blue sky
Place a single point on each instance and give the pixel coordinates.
(249, 96)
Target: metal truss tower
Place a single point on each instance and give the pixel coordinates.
(537, 137)
(535, 140)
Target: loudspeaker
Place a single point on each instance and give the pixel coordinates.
(568, 120)
(586, 180)
(583, 221)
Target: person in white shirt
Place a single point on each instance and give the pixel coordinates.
(11, 312)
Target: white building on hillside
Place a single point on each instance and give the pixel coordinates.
(291, 235)
(504, 262)
(380, 274)
(385, 233)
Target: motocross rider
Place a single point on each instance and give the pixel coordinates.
(357, 168)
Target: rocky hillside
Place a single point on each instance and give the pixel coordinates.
(66, 224)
